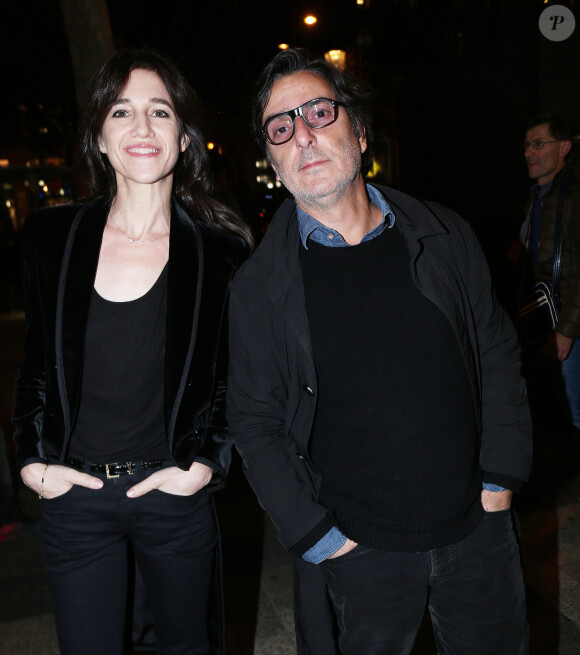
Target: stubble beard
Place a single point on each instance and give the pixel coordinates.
(326, 193)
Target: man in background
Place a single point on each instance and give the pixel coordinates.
(556, 192)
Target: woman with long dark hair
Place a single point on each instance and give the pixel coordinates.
(119, 404)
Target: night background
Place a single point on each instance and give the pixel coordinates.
(453, 83)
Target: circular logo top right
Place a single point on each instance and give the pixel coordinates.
(557, 23)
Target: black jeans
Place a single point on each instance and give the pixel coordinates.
(474, 590)
(85, 538)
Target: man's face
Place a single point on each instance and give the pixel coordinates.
(317, 166)
(543, 164)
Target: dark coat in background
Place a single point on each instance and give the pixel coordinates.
(569, 185)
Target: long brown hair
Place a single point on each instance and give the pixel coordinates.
(192, 182)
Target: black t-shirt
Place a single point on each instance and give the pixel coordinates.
(121, 413)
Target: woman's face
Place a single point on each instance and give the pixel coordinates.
(140, 135)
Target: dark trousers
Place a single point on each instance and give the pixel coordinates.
(474, 591)
(85, 540)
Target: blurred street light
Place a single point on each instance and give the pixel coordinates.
(310, 20)
(336, 57)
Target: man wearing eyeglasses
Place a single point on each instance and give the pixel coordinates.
(374, 389)
(547, 144)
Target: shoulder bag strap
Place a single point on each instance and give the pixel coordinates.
(558, 244)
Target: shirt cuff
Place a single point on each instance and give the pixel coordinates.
(494, 488)
(332, 541)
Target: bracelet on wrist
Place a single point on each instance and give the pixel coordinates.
(41, 494)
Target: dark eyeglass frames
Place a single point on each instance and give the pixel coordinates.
(538, 144)
(316, 113)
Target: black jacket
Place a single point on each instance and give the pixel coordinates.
(273, 386)
(569, 320)
(61, 249)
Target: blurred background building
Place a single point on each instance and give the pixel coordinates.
(453, 83)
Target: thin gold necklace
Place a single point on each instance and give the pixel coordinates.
(136, 241)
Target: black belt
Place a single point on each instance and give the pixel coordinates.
(113, 470)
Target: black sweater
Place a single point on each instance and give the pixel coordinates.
(395, 433)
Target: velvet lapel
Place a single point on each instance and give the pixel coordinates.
(185, 278)
(76, 282)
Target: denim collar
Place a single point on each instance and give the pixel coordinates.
(309, 227)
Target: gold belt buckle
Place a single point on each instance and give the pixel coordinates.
(109, 476)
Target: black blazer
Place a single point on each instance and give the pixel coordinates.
(61, 250)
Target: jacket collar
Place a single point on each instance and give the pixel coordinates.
(77, 278)
(561, 178)
(279, 253)
(416, 220)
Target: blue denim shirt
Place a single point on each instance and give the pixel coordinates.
(310, 228)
